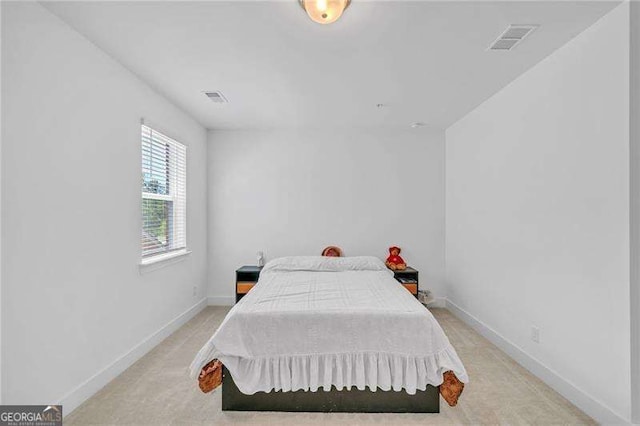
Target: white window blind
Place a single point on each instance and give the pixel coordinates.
(164, 194)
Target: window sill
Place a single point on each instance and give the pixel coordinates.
(160, 261)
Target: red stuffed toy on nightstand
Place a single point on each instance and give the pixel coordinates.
(394, 261)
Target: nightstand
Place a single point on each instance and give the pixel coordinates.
(409, 279)
(246, 278)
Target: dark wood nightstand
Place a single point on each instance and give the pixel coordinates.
(410, 275)
(246, 278)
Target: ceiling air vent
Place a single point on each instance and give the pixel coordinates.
(216, 97)
(512, 36)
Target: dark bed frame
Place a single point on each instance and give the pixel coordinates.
(345, 401)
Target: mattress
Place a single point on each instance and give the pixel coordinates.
(316, 322)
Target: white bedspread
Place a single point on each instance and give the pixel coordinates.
(313, 322)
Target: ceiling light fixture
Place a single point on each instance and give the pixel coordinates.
(417, 125)
(324, 11)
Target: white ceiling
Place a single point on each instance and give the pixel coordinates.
(427, 61)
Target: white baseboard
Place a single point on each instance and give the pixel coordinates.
(598, 411)
(84, 391)
(221, 301)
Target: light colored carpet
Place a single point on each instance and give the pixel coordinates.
(157, 389)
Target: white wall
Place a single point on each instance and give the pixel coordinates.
(1, 381)
(634, 139)
(295, 192)
(74, 300)
(538, 214)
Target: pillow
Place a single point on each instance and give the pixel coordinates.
(325, 264)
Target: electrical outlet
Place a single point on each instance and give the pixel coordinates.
(195, 290)
(535, 334)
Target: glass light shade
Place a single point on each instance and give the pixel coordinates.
(324, 11)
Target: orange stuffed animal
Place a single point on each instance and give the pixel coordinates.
(394, 261)
(332, 251)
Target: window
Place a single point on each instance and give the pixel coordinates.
(164, 195)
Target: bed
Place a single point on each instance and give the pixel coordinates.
(326, 332)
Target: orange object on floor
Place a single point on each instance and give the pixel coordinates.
(210, 376)
(451, 388)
